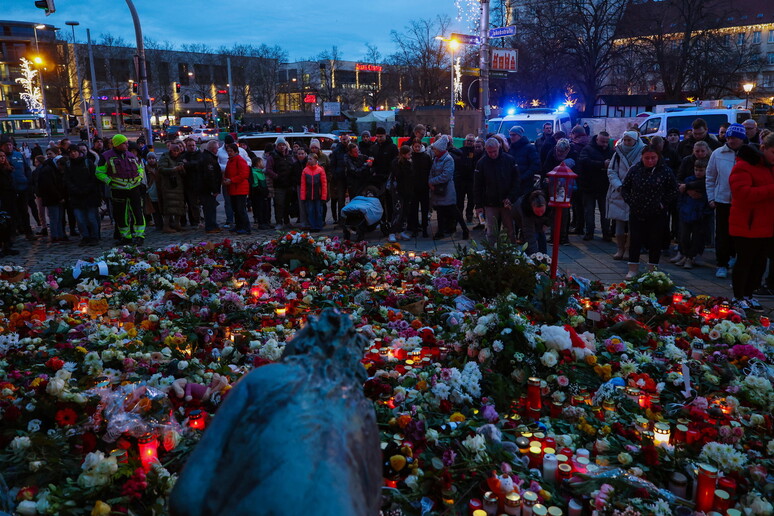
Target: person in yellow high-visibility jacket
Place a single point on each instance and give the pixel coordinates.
(124, 173)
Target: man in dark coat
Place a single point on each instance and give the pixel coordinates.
(463, 175)
(338, 179)
(526, 156)
(700, 133)
(191, 156)
(495, 188)
(593, 182)
(210, 178)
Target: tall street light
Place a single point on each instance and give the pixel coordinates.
(84, 109)
(39, 61)
(747, 87)
(453, 45)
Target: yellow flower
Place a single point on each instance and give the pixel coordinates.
(101, 509)
(457, 418)
(81, 349)
(605, 372)
(591, 360)
(36, 382)
(605, 430)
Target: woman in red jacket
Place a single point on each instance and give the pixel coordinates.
(236, 178)
(314, 190)
(751, 222)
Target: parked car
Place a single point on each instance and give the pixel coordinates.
(257, 141)
(202, 135)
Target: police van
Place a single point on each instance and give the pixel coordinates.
(532, 120)
(681, 119)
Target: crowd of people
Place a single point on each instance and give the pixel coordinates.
(645, 194)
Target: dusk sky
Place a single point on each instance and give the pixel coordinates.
(302, 27)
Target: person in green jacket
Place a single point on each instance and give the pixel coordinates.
(124, 173)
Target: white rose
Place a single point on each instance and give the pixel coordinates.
(20, 443)
(55, 386)
(624, 458)
(182, 365)
(549, 358)
(33, 425)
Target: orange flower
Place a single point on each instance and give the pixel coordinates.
(457, 418)
(404, 420)
(416, 324)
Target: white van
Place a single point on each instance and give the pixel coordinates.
(532, 120)
(681, 119)
(257, 141)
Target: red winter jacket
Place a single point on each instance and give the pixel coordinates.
(752, 194)
(313, 184)
(238, 172)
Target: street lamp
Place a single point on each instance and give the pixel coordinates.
(747, 87)
(453, 45)
(39, 61)
(84, 108)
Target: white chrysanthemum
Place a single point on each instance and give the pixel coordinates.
(549, 358)
(477, 445)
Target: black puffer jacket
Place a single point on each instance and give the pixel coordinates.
(649, 191)
(84, 190)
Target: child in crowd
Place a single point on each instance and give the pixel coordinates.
(259, 195)
(694, 213)
(314, 190)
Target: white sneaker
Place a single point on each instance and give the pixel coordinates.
(681, 261)
(391, 239)
(721, 272)
(688, 264)
(676, 258)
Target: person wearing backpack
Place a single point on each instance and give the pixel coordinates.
(259, 195)
(210, 177)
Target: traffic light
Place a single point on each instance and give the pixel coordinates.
(177, 87)
(134, 88)
(46, 5)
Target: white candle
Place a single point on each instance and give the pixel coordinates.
(582, 452)
(550, 464)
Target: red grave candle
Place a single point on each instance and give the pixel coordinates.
(148, 446)
(705, 487)
(534, 402)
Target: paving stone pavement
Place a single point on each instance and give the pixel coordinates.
(592, 259)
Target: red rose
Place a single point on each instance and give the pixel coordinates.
(445, 406)
(650, 455)
(55, 363)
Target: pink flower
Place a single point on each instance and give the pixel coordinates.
(563, 381)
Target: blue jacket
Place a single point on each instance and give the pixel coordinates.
(690, 209)
(21, 171)
(528, 160)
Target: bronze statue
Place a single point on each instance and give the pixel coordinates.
(294, 437)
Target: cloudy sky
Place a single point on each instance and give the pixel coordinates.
(303, 27)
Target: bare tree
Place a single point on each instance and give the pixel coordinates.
(585, 33)
(420, 59)
(331, 61)
(718, 64)
(264, 77)
(374, 92)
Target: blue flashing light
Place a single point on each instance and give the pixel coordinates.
(511, 111)
(562, 108)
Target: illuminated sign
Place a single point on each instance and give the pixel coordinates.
(222, 92)
(310, 98)
(367, 68)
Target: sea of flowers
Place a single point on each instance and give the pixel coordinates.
(568, 398)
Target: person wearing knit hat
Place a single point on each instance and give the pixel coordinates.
(279, 140)
(118, 140)
(443, 196)
(516, 129)
(627, 153)
(718, 174)
(123, 171)
(736, 131)
(314, 142)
